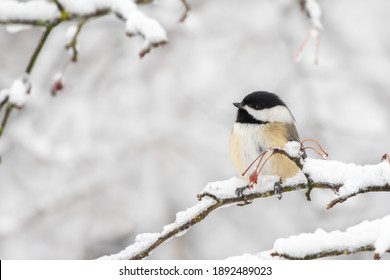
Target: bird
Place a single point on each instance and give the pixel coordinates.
(263, 121)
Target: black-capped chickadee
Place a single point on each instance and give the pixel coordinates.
(263, 121)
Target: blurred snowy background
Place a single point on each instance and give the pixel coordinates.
(130, 142)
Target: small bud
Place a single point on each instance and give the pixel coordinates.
(58, 84)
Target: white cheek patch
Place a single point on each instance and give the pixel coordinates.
(276, 114)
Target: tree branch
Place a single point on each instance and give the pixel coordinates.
(367, 236)
(53, 13)
(333, 253)
(222, 194)
(39, 47)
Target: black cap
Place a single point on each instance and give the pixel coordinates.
(259, 100)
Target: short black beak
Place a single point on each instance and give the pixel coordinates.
(238, 105)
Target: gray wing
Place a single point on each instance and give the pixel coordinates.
(293, 133)
(294, 136)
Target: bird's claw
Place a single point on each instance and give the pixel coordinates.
(240, 191)
(278, 190)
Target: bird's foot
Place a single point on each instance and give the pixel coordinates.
(240, 191)
(278, 190)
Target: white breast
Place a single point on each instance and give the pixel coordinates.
(246, 144)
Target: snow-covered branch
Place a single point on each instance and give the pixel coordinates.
(49, 13)
(344, 179)
(368, 236)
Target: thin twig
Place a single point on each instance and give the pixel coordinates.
(365, 190)
(39, 47)
(187, 8)
(73, 43)
(5, 118)
(3, 103)
(59, 5)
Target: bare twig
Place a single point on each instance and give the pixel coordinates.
(8, 111)
(39, 47)
(73, 43)
(187, 8)
(59, 5)
(3, 103)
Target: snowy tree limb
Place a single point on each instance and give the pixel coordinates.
(320, 174)
(45, 14)
(341, 199)
(368, 236)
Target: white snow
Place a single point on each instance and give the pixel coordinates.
(15, 28)
(19, 91)
(299, 178)
(137, 23)
(266, 255)
(375, 233)
(142, 241)
(293, 148)
(227, 188)
(184, 216)
(314, 11)
(351, 176)
(28, 11)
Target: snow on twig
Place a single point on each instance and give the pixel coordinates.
(348, 179)
(366, 236)
(18, 93)
(46, 13)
